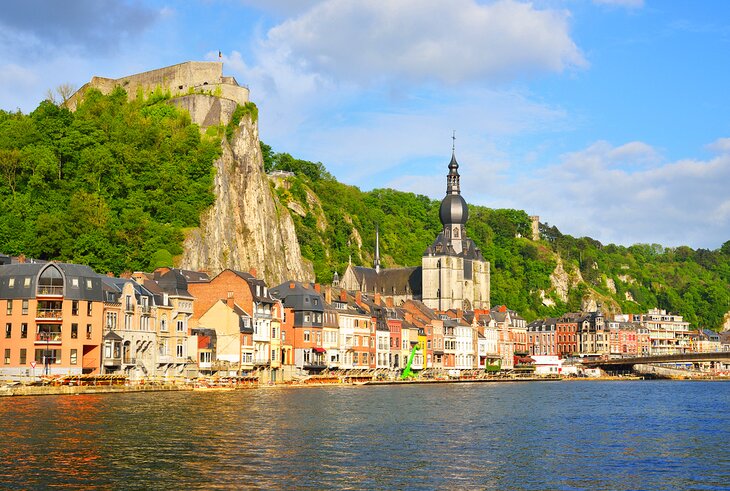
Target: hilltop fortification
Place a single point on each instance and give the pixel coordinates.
(185, 82)
(246, 228)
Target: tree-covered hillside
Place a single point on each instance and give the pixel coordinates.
(112, 185)
(336, 222)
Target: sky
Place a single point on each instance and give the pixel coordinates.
(607, 118)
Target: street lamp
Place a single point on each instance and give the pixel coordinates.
(46, 357)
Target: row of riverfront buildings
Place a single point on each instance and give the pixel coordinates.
(65, 319)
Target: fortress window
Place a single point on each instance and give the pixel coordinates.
(180, 87)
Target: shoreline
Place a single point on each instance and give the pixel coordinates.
(71, 390)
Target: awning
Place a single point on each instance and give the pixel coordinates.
(319, 350)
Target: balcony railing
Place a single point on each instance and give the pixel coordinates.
(48, 314)
(50, 337)
(145, 309)
(112, 362)
(53, 291)
(164, 359)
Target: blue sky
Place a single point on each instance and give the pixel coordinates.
(607, 118)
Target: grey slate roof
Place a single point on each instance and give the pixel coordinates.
(80, 282)
(295, 295)
(390, 281)
(173, 282)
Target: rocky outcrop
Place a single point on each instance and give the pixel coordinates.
(245, 228)
(562, 282)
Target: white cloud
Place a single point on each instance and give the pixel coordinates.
(672, 203)
(426, 40)
(721, 145)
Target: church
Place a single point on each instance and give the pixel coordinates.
(453, 273)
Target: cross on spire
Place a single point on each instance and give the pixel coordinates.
(453, 144)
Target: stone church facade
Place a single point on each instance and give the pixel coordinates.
(453, 273)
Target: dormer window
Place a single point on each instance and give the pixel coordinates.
(50, 281)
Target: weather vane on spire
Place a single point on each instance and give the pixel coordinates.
(453, 143)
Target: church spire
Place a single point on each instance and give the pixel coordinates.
(376, 262)
(452, 179)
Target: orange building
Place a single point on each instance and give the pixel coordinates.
(52, 315)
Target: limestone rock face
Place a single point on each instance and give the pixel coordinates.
(246, 228)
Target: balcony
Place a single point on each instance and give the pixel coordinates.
(162, 359)
(145, 309)
(129, 308)
(48, 337)
(129, 360)
(112, 362)
(49, 291)
(48, 315)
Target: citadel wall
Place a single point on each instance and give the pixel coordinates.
(186, 78)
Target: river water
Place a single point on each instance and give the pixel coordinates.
(639, 435)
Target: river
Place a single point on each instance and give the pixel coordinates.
(583, 435)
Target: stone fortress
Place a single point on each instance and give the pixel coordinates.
(185, 82)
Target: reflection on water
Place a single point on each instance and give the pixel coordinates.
(557, 435)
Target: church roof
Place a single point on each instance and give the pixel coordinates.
(390, 281)
(442, 247)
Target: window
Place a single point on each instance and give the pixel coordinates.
(88, 329)
(206, 357)
(24, 330)
(75, 282)
(89, 285)
(163, 323)
(306, 317)
(26, 282)
(274, 354)
(74, 331)
(7, 356)
(9, 309)
(88, 307)
(23, 356)
(319, 338)
(74, 356)
(180, 326)
(11, 283)
(273, 332)
(283, 336)
(74, 307)
(8, 330)
(180, 351)
(306, 335)
(51, 356)
(111, 320)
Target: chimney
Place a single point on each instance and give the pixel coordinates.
(389, 302)
(317, 288)
(291, 285)
(21, 259)
(126, 275)
(110, 275)
(230, 301)
(328, 294)
(343, 296)
(409, 317)
(376, 298)
(358, 297)
(252, 272)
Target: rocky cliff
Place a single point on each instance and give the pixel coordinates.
(246, 228)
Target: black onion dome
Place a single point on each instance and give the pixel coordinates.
(453, 210)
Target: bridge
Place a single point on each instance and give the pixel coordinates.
(627, 363)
